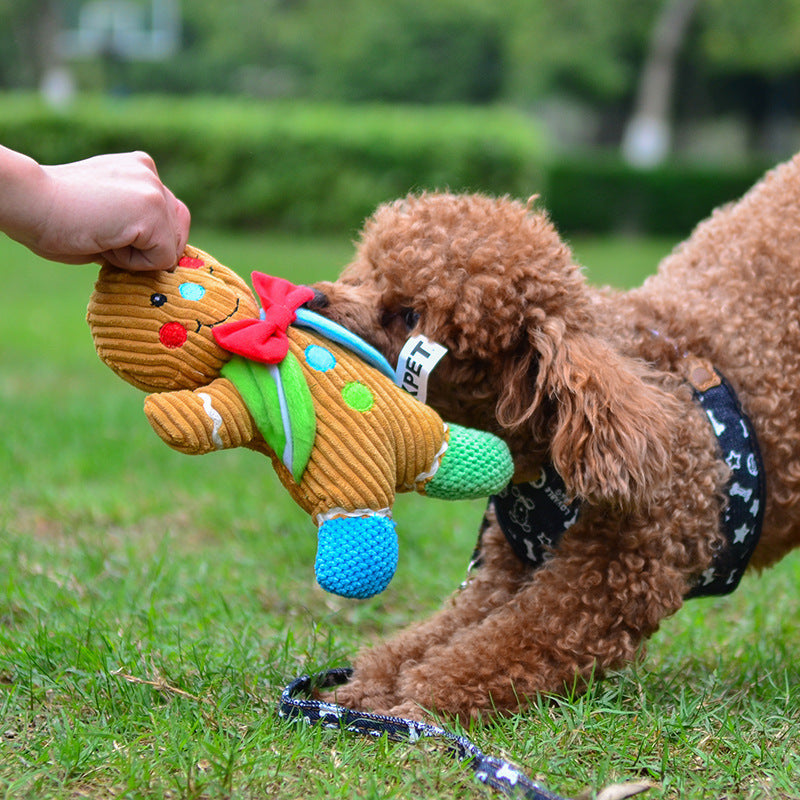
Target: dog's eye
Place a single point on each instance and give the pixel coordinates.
(410, 317)
(407, 315)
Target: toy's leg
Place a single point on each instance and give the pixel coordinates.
(356, 556)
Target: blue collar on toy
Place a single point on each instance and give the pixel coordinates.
(534, 516)
(339, 334)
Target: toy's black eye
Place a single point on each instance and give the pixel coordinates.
(158, 299)
(410, 317)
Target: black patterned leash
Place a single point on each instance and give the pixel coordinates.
(296, 704)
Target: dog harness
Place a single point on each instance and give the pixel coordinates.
(534, 516)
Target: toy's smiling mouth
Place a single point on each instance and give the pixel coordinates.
(218, 322)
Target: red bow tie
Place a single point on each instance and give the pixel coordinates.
(265, 339)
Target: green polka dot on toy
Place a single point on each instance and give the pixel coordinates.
(358, 396)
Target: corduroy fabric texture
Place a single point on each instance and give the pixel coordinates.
(363, 457)
(288, 424)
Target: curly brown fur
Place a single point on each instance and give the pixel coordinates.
(593, 380)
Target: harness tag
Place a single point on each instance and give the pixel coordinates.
(416, 362)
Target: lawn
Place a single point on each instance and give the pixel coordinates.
(152, 605)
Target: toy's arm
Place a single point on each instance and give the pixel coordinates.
(197, 421)
(441, 460)
(476, 464)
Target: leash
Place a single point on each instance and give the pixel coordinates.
(296, 704)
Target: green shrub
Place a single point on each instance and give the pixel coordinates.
(321, 167)
(601, 195)
(287, 165)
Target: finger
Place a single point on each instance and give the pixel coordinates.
(146, 161)
(153, 257)
(119, 257)
(183, 222)
(160, 241)
(159, 256)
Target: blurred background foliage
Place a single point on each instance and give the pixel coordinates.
(624, 102)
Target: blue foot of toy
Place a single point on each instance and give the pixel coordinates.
(356, 556)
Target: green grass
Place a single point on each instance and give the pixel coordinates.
(152, 605)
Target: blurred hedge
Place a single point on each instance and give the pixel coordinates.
(306, 167)
(602, 194)
(295, 166)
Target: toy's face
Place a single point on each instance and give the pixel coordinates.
(154, 329)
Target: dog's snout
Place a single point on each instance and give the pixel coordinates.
(318, 301)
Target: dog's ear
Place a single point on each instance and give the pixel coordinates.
(608, 430)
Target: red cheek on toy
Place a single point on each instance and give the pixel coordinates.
(172, 335)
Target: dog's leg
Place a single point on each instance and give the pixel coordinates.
(588, 609)
(376, 670)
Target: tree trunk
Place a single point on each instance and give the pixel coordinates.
(647, 138)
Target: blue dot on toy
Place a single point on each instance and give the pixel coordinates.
(191, 291)
(319, 358)
(356, 556)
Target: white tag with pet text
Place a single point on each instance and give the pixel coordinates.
(417, 359)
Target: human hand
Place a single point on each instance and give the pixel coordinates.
(111, 207)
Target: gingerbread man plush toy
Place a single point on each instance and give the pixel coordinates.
(225, 369)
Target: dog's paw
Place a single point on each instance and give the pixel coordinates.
(360, 696)
(409, 710)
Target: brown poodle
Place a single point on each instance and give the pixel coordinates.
(604, 386)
